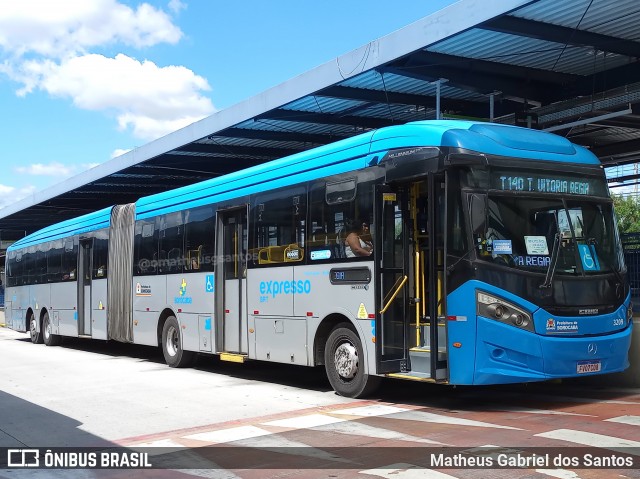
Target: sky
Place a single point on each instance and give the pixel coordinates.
(83, 81)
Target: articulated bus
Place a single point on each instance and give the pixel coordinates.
(492, 257)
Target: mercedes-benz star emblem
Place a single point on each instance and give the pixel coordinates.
(592, 349)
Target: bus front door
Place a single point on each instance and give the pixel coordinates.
(231, 324)
(410, 280)
(84, 287)
(391, 281)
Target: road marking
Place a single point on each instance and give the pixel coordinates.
(592, 439)
(209, 473)
(526, 410)
(229, 435)
(631, 420)
(371, 411)
(559, 473)
(167, 445)
(407, 471)
(454, 421)
(358, 429)
(305, 422)
(282, 445)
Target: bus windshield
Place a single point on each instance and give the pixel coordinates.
(536, 234)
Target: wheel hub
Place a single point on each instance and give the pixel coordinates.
(172, 342)
(346, 360)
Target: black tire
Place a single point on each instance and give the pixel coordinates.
(343, 361)
(174, 355)
(50, 339)
(36, 336)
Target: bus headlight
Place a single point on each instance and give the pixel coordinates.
(497, 308)
(629, 314)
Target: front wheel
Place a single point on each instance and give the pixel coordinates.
(50, 339)
(174, 355)
(344, 362)
(36, 336)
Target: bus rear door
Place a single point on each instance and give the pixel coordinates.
(231, 252)
(84, 287)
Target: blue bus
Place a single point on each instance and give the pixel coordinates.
(454, 252)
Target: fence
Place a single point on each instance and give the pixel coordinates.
(631, 245)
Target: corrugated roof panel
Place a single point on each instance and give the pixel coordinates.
(256, 143)
(500, 47)
(322, 104)
(618, 18)
(299, 127)
(526, 52)
(372, 80)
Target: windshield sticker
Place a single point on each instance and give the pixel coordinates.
(589, 258)
(502, 247)
(536, 245)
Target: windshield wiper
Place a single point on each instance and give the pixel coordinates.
(548, 280)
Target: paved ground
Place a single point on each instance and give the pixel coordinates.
(268, 421)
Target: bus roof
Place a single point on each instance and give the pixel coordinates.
(339, 157)
(82, 224)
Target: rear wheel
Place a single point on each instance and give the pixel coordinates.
(174, 355)
(50, 339)
(36, 336)
(344, 363)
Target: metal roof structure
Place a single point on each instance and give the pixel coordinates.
(570, 67)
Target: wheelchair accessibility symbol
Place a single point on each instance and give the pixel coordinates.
(209, 285)
(588, 258)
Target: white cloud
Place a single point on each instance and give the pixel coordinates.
(45, 45)
(10, 194)
(176, 5)
(119, 152)
(150, 100)
(40, 169)
(54, 169)
(60, 28)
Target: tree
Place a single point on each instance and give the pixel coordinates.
(628, 213)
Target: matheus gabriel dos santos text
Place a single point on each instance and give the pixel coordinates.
(540, 461)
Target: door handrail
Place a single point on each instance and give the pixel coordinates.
(402, 281)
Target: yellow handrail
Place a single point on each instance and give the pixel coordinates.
(396, 292)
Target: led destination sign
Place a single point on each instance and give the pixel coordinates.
(350, 275)
(548, 184)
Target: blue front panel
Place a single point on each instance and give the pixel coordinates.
(487, 351)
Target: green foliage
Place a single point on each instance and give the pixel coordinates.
(628, 213)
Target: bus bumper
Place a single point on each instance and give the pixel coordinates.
(507, 355)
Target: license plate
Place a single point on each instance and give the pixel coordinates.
(588, 367)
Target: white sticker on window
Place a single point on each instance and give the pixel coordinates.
(536, 245)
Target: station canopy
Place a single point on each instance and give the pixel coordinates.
(570, 67)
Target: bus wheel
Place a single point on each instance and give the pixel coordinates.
(50, 339)
(174, 355)
(36, 336)
(344, 362)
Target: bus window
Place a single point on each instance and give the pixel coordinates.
(145, 253)
(54, 262)
(199, 238)
(337, 209)
(100, 254)
(70, 259)
(170, 256)
(279, 227)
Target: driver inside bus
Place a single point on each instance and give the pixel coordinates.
(358, 240)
